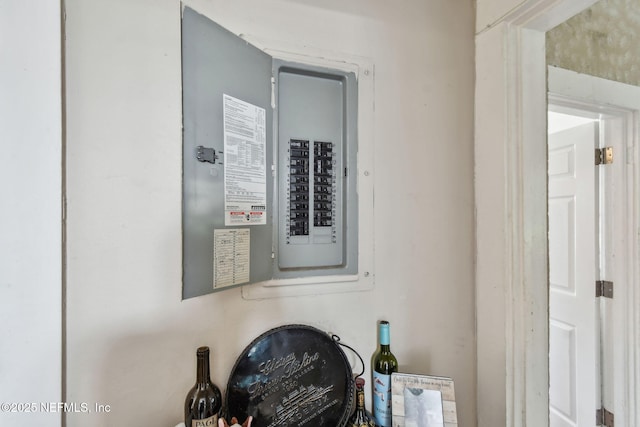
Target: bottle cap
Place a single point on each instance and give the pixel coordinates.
(384, 332)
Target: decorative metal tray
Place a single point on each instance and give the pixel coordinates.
(294, 375)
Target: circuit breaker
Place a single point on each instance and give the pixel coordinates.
(269, 164)
(312, 236)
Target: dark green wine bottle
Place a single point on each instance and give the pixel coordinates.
(204, 400)
(384, 363)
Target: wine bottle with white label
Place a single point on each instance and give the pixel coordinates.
(384, 363)
(204, 400)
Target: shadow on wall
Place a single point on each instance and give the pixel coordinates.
(143, 378)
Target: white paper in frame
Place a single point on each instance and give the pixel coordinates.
(422, 401)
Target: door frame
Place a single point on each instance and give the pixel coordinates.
(616, 106)
(511, 223)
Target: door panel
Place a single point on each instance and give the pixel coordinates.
(216, 63)
(573, 326)
(562, 371)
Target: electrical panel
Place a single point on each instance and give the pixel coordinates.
(269, 164)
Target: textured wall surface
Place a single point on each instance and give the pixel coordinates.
(601, 41)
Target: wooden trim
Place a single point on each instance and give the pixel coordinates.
(511, 226)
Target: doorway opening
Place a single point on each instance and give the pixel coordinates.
(591, 205)
(511, 218)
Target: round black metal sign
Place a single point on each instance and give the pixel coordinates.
(294, 375)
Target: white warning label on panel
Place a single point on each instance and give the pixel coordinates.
(245, 163)
(230, 257)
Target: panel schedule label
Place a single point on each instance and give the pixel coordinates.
(245, 163)
(231, 264)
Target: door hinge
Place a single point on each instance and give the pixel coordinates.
(604, 418)
(604, 156)
(604, 289)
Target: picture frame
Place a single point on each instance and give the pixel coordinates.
(422, 401)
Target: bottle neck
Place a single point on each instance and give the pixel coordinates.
(385, 348)
(202, 372)
(360, 399)
(384, 336)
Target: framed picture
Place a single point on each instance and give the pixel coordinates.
(422, 401)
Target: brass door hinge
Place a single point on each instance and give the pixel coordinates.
(604, 156)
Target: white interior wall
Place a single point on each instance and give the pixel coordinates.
(30, 213)
(131, 341)
(557, 122)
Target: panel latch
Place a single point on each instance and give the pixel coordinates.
(204, 154)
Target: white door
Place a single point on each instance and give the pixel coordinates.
(573, 317)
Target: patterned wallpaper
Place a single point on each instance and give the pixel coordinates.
(602, 41)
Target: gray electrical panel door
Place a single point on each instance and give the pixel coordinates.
(222, 74)
(269, 164)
